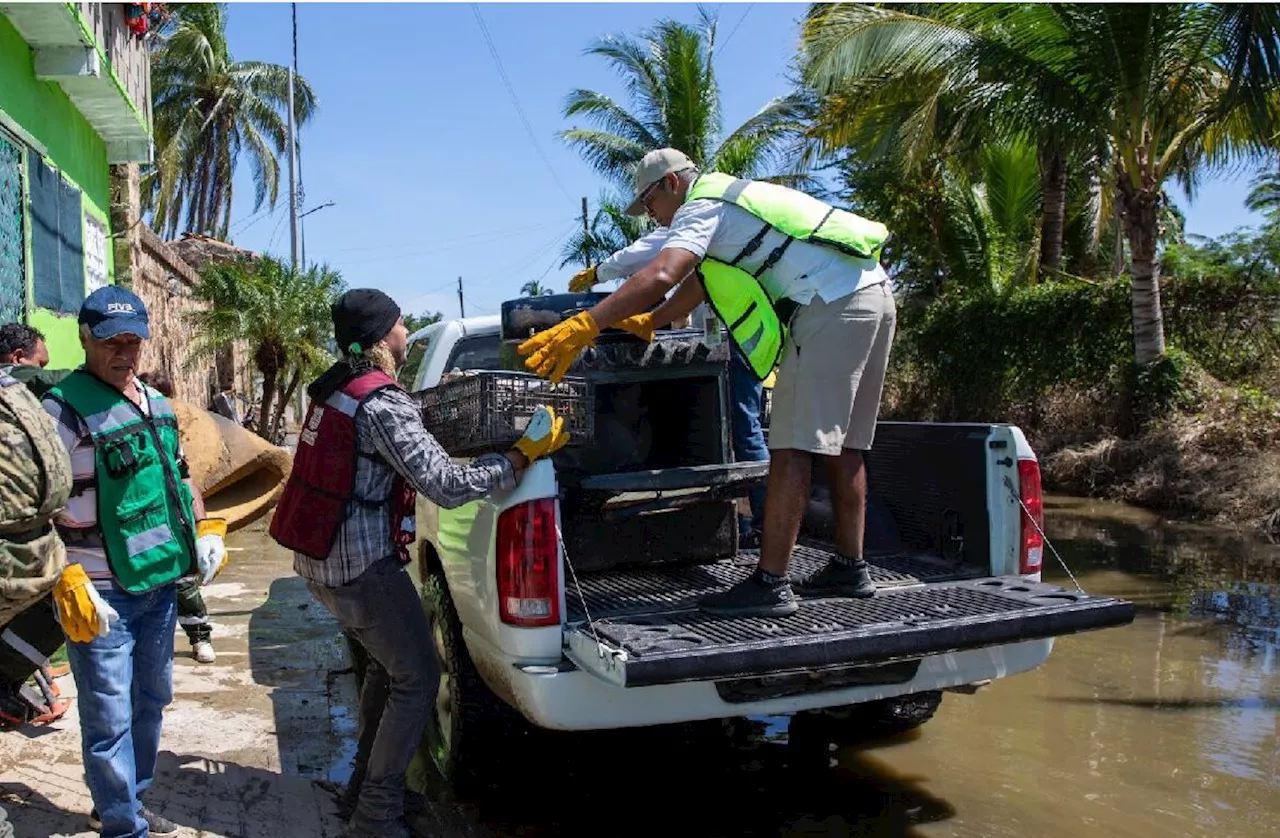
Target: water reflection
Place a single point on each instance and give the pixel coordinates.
(1165, 727)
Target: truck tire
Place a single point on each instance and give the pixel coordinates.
(879, 719)
(6, 828)
(470, 731)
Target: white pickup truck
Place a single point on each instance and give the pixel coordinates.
(570, 602)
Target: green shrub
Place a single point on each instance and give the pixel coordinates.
(977, 358)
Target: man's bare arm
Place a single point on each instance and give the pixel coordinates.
(645, 287)
(197, 499)
(680, 304)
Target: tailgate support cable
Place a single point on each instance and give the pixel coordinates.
(1013, 492)
(600, 647)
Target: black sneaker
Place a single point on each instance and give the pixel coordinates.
(158, 826)
(752, 597)
(837, 578)
(414, 804)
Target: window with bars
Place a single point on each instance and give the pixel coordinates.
(13, 282)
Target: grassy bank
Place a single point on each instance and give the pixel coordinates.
(1195, 438)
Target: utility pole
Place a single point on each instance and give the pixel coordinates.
(293, 153)
(302, 189)
(462, 309)
(586, 234)
(294, 242)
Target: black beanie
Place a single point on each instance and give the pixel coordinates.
(362, 317)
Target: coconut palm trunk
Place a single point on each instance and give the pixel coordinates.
(1053, 187)
(1140, 205)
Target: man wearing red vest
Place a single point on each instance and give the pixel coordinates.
(347, 513)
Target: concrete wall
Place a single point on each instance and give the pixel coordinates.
(125, 52)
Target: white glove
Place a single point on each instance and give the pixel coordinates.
(210, 552)
(106, 614)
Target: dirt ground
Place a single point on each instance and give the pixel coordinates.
(244, 738)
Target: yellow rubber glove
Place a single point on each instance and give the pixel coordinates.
(211, 551)
(583, 280)
(544, 435)
(553, 351)
(82, 612)
(640, 325)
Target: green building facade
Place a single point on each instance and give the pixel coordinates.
(74, 99)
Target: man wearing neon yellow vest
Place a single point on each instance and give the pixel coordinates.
(799, 285)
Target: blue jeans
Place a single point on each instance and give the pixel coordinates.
(124, 681)
(746, 397)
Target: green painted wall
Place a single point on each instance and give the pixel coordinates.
(45, 112)
(74, 148)
(62, 336)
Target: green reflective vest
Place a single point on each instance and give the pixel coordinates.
(145, 514)
(740, 298)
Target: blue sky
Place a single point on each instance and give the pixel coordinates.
(432, 173)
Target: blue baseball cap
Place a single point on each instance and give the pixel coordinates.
(112, 310)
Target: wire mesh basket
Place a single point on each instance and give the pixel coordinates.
(489, 410)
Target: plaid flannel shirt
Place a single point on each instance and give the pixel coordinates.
(390, 432)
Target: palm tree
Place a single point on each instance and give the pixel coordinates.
(282, 314)
(995, 216)
(1156, 91)
(610, 230)
(1264, 194)
(207, 110)
(675, 102)
(534, 288)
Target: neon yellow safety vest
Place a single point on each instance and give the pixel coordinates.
(740, 298)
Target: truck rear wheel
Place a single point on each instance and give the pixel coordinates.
(468, 725)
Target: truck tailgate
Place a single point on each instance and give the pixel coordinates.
(645, 629)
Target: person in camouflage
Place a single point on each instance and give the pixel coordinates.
(29, 638)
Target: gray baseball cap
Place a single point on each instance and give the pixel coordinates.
(653, 167)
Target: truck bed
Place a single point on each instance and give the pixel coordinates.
(645, 629)
(622, 593)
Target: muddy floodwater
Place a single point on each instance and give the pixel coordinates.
(1167, 727)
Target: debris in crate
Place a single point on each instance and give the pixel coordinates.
(487, 410)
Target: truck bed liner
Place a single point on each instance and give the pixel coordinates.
(618, 593)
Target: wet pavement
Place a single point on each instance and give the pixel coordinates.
(1165, 727)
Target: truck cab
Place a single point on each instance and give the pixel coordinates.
(470, 343)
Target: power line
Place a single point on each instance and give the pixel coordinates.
(484, 235)
(515, 100)
(734, 31)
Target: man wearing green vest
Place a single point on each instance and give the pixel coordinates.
(799, 284)
(133, 526)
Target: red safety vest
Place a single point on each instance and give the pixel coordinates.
(321, 485)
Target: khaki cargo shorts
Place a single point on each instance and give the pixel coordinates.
(827, 395)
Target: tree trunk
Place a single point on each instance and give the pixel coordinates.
(1053, 189)
(269, 378)
(1142, 228)
(284, 400)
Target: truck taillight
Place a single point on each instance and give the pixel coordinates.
(1032, 554)
(528, 589)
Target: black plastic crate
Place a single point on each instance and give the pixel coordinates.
(489, 410)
